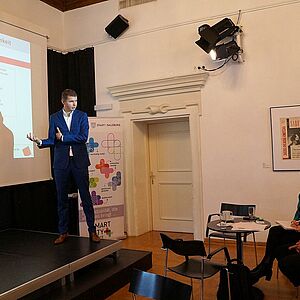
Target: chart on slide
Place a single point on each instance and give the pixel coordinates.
(15, 93)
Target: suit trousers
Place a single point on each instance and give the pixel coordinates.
(81, 178)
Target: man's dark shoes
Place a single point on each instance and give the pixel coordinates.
(61, 239)
(94, 237)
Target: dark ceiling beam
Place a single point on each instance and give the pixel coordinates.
(65, 5)
(59, 4)
(72, 4)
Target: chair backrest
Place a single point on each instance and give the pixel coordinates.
(185, 248)
(158, 287)
(237, 209)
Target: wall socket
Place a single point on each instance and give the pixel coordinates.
(266, 165)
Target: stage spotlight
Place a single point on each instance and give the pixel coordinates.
(225, 50)
(212, 36)
(213, 54)
(209, 38)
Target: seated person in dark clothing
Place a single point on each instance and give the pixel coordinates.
(284, 245)
(289, 263)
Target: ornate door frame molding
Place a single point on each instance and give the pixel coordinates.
(152, 101)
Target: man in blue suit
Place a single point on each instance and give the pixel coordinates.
(68, 133)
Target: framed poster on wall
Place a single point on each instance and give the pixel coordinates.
(285, 130)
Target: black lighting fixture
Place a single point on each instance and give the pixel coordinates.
(225, 50)
(219, 40)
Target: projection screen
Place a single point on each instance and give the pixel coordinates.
(23, 106)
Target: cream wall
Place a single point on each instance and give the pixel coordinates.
(38, 13)
(235, 125)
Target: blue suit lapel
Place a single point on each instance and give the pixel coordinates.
(62, 120)
(74, 120)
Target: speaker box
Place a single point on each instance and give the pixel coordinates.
(117, 26)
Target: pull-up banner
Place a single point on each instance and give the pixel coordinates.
(105, 148)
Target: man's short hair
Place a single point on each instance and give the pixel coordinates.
(67, 93)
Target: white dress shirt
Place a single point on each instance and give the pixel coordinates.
(68, 119)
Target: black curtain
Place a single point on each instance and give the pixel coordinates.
(76, 71)
(6, 211)
(56, 79)
(33, 205)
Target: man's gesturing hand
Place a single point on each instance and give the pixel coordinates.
(33, 138)
(58, 134)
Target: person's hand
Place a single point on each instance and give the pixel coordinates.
(33, 138)
(296, 247)
(294, 223)
(58, 134)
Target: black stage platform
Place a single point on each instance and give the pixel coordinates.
(32, 265)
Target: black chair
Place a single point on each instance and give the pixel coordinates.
(238, 210)
(158, 287)
(201, 268)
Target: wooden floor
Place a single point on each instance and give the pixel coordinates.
(276, 289)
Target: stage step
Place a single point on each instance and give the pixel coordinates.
(98, 280)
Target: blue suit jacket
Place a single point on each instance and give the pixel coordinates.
(76, 137)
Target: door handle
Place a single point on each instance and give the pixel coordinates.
(152, 176)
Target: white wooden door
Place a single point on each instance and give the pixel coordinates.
(171, 176)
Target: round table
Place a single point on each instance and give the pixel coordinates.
(214, 225)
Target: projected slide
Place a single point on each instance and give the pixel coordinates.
(15, 97)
